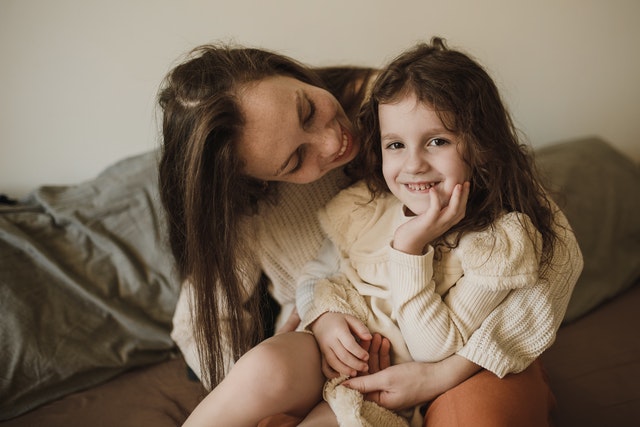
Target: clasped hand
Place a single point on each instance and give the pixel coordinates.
(348, 348)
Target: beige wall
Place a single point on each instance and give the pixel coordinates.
(78, 77)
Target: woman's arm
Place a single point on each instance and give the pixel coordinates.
(413, 383)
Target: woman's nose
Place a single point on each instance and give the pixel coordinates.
(325, 144)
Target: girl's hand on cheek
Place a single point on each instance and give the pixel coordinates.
(413, 236)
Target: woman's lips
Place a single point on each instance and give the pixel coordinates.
(347, 144)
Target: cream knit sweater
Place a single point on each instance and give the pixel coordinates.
(427, 308)
(287, 235)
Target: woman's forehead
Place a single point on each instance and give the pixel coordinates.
(271, 118)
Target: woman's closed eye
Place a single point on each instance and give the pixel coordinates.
(298, 161)
(310, 114)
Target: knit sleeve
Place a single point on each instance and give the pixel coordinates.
(526, 323)
(335, 295)
(347, 215)
(504, 256)
(320, 288)
(433, 327)
(325, 265)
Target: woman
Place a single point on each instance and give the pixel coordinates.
(254, 143)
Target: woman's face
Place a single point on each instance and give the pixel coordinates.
(294, 132)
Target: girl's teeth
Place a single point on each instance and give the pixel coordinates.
(420, 187)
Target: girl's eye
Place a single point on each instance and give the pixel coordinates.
(438, 142)
(396, 145)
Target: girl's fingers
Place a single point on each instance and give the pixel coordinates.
(347, 354)
(336, 363)
(456, 209)
(327, 370)
(455, 201)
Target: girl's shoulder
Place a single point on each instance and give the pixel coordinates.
(505, 255)
(349, 213)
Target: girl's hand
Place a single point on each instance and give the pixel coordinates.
(413, 383)
(413, 236)
(337, 335)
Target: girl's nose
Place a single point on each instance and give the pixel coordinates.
(415, 163)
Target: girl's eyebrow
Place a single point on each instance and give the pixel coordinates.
(389, 136)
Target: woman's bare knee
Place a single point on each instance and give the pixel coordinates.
(283, 368)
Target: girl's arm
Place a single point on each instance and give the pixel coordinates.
(525, 324)
(332, 309)
(325, 265)
(432, 327)
(491, 264)
(514, 334)
(435, 327)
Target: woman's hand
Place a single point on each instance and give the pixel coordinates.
(413, 236)
(413, 383)
(379, 349)
(338, 337)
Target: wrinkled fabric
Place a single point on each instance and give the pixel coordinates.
(87, 285)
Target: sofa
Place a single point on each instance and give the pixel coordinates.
(88, 289)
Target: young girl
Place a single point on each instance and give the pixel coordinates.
(449, 221)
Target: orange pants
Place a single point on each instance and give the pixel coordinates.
(517, 400)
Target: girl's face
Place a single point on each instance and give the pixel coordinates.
(294, 132)
(419, 155)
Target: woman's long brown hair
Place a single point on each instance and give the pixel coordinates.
(205, 195)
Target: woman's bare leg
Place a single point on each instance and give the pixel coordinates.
(280, 375)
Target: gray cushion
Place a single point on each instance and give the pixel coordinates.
(598, 189)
